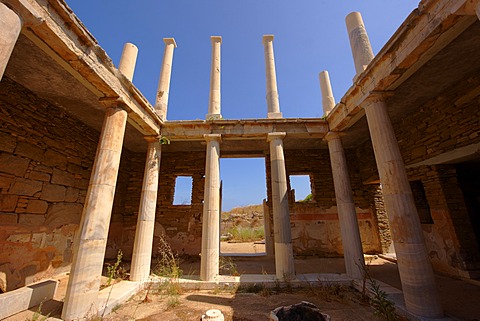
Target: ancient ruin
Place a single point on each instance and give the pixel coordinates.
(85, 168)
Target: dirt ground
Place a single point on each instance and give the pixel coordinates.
(341, 303)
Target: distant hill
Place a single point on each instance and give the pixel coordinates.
(248, 209)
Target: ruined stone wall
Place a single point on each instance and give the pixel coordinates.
(315, 225)
(46, 157)
(441, 126)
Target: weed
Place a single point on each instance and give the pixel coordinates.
(112, 270)
(37, 316)
(168, 264)
(246, 234)
(227, 266)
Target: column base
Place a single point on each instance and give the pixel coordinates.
(213, 116)
(275, 115)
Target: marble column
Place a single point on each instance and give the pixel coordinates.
(416, 274)
(161, 101)
(128, 60)
(209, 267)
(477, 10)
(11, 25)
(284, 263)
(214, 101)
(352, 243)
(328, 101)
(272, 91)
(91, 238)
(142, 247)
(359, 42)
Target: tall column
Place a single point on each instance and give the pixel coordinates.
(128, 60)
(284, 263)
(142, 248)
(209, 268)
(11, 25)
(214, 98)
(414, 266)
(272, 91)
(91, 238)
(477, 10)
(328, 101)
(359, 42)
(161, 102)
(352, 243)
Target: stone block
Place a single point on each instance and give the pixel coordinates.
(72, 195)
(14, 165)
(7, 143)
(8, 218)
(31, 219)
(37, 207)
(24, 298)
(39, 176)
(8, 202)
(63, 214)
(5, 181)
(29, 151)
(53, 193)
(54, 158)
(27, 187)
(63, 178)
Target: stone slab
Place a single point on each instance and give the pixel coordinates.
(24, 298)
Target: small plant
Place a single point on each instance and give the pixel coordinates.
(382, 305)
(164, 140)
(112, 270)
(246, 234)
(37, 316)
(227, 266)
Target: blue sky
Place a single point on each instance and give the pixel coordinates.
(310, 36)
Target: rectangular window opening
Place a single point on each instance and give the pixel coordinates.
(183, 190)
(301, 188)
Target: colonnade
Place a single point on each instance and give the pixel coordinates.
(82, 291)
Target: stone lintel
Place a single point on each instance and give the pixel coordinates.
(278, 135)
(216, 39)
(267, 38)
(170, 41)
(210, 137)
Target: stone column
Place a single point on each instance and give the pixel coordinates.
(142, 248)
(214, 100)
(328, 101)
(272, 91)
(477, 10)
(414, 266)
(91, 239)
(11, 25)
(209, 268)
(359, 42)
(284, 263)
(161, 102)
(268, 229)
(352, 243)
(128, 60)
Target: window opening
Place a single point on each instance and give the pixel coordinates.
(301, 188)
(183, 190)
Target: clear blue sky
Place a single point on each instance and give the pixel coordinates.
(310, 36)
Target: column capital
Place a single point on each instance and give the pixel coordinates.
(376, 97)
(267, 38)
(215, 39)
(151, 139)
(170, 41)
(212, 137)
(273, 136)
(332, 136)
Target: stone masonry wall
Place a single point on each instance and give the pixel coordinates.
(46, 158)
(315, 225)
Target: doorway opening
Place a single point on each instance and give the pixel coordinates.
(242, 231)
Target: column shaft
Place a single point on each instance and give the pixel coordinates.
(284, 263)
(269, 244)
(416, 272)
(359, 42)
(272, 91)
(352, 243)
(209, 266)
(91, 239)
(11, 25)
(328, 102)
(142, 248)
(128, 60)
(214, 101)
(161, 101)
